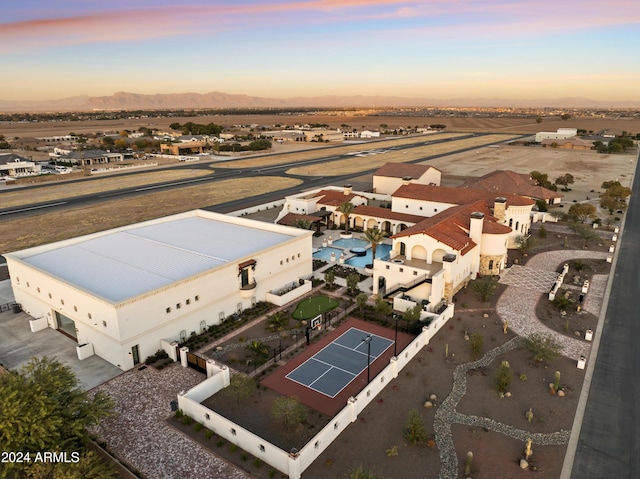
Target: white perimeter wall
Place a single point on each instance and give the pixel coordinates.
(295, 465)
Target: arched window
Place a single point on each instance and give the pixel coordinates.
(490, 265)
(510, 222)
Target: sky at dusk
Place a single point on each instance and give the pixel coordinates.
(518, 49)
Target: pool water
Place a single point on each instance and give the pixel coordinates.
(325, 253)
(382, 252)
(351, 243)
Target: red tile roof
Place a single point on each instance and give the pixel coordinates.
(457, 196)
(400, 170)
(386, 213)
(451, 226)
(334, 197)
(507, 181)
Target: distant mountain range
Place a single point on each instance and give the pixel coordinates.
(160, 101)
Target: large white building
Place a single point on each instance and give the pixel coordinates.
(121, 292)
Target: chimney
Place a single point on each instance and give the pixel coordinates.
(348, 189)
(406, 180)
(500, 208)
(475, 228)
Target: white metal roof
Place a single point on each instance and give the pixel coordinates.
(126, 263)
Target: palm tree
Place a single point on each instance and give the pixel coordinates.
(375, 237)
(346, 209)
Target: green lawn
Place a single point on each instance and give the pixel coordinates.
(313, 306)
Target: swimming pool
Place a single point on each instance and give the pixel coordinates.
(325, 253)
(349, 243)
(382, 252)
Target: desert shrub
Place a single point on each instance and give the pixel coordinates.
(503, 377)
(543, 347)
(475, 345)
(363, 472)
(208, 434)
(414, 430)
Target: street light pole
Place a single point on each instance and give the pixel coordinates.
(395, 343)
(367, 340)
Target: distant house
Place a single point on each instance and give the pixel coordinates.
(508, 181)
(568, 144)
(560, 134)
(391, 176)
(369, 134)
(183, 148)
(15, 166)
(87, 157)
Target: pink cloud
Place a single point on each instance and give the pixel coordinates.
(497, 18)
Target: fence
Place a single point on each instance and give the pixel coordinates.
(294, 463)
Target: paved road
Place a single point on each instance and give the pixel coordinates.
(221, 173)
(609, 441)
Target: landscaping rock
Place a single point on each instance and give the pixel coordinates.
(561, 393)
(524, 464)
(428, 404)
(433, 397)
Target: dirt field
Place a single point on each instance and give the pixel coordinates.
(360, 121)
(36, 230)
(367, 160)
(589, 168)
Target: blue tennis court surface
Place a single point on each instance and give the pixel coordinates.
(337, 364)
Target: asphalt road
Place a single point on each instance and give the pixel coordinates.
(221, 173)
(609, 441)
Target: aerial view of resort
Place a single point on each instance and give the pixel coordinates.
(350, 240)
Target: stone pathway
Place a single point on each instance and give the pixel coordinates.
(516, 305)
(446, 415)
(531, 278)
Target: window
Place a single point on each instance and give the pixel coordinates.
(207, 417)
(386, 266)
(197, 298)
(187, 302)
(62, 302)
(168, 310)
(50, 296)
(178, 305)
(221, 316)
(402, 270)
(233, 432)
(27, 284)
(335, 425)
(415, 273)
(104, 323)
(261, 447)
(38, 289)
(490, 265)
(89, 315)
(75, 308)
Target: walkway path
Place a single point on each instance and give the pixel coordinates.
(446, 415)
(517, 305)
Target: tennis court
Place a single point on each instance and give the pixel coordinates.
(336, 365)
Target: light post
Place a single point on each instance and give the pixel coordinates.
(367, 340)
(395, 343)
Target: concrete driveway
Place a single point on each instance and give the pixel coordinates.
(18, 345)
